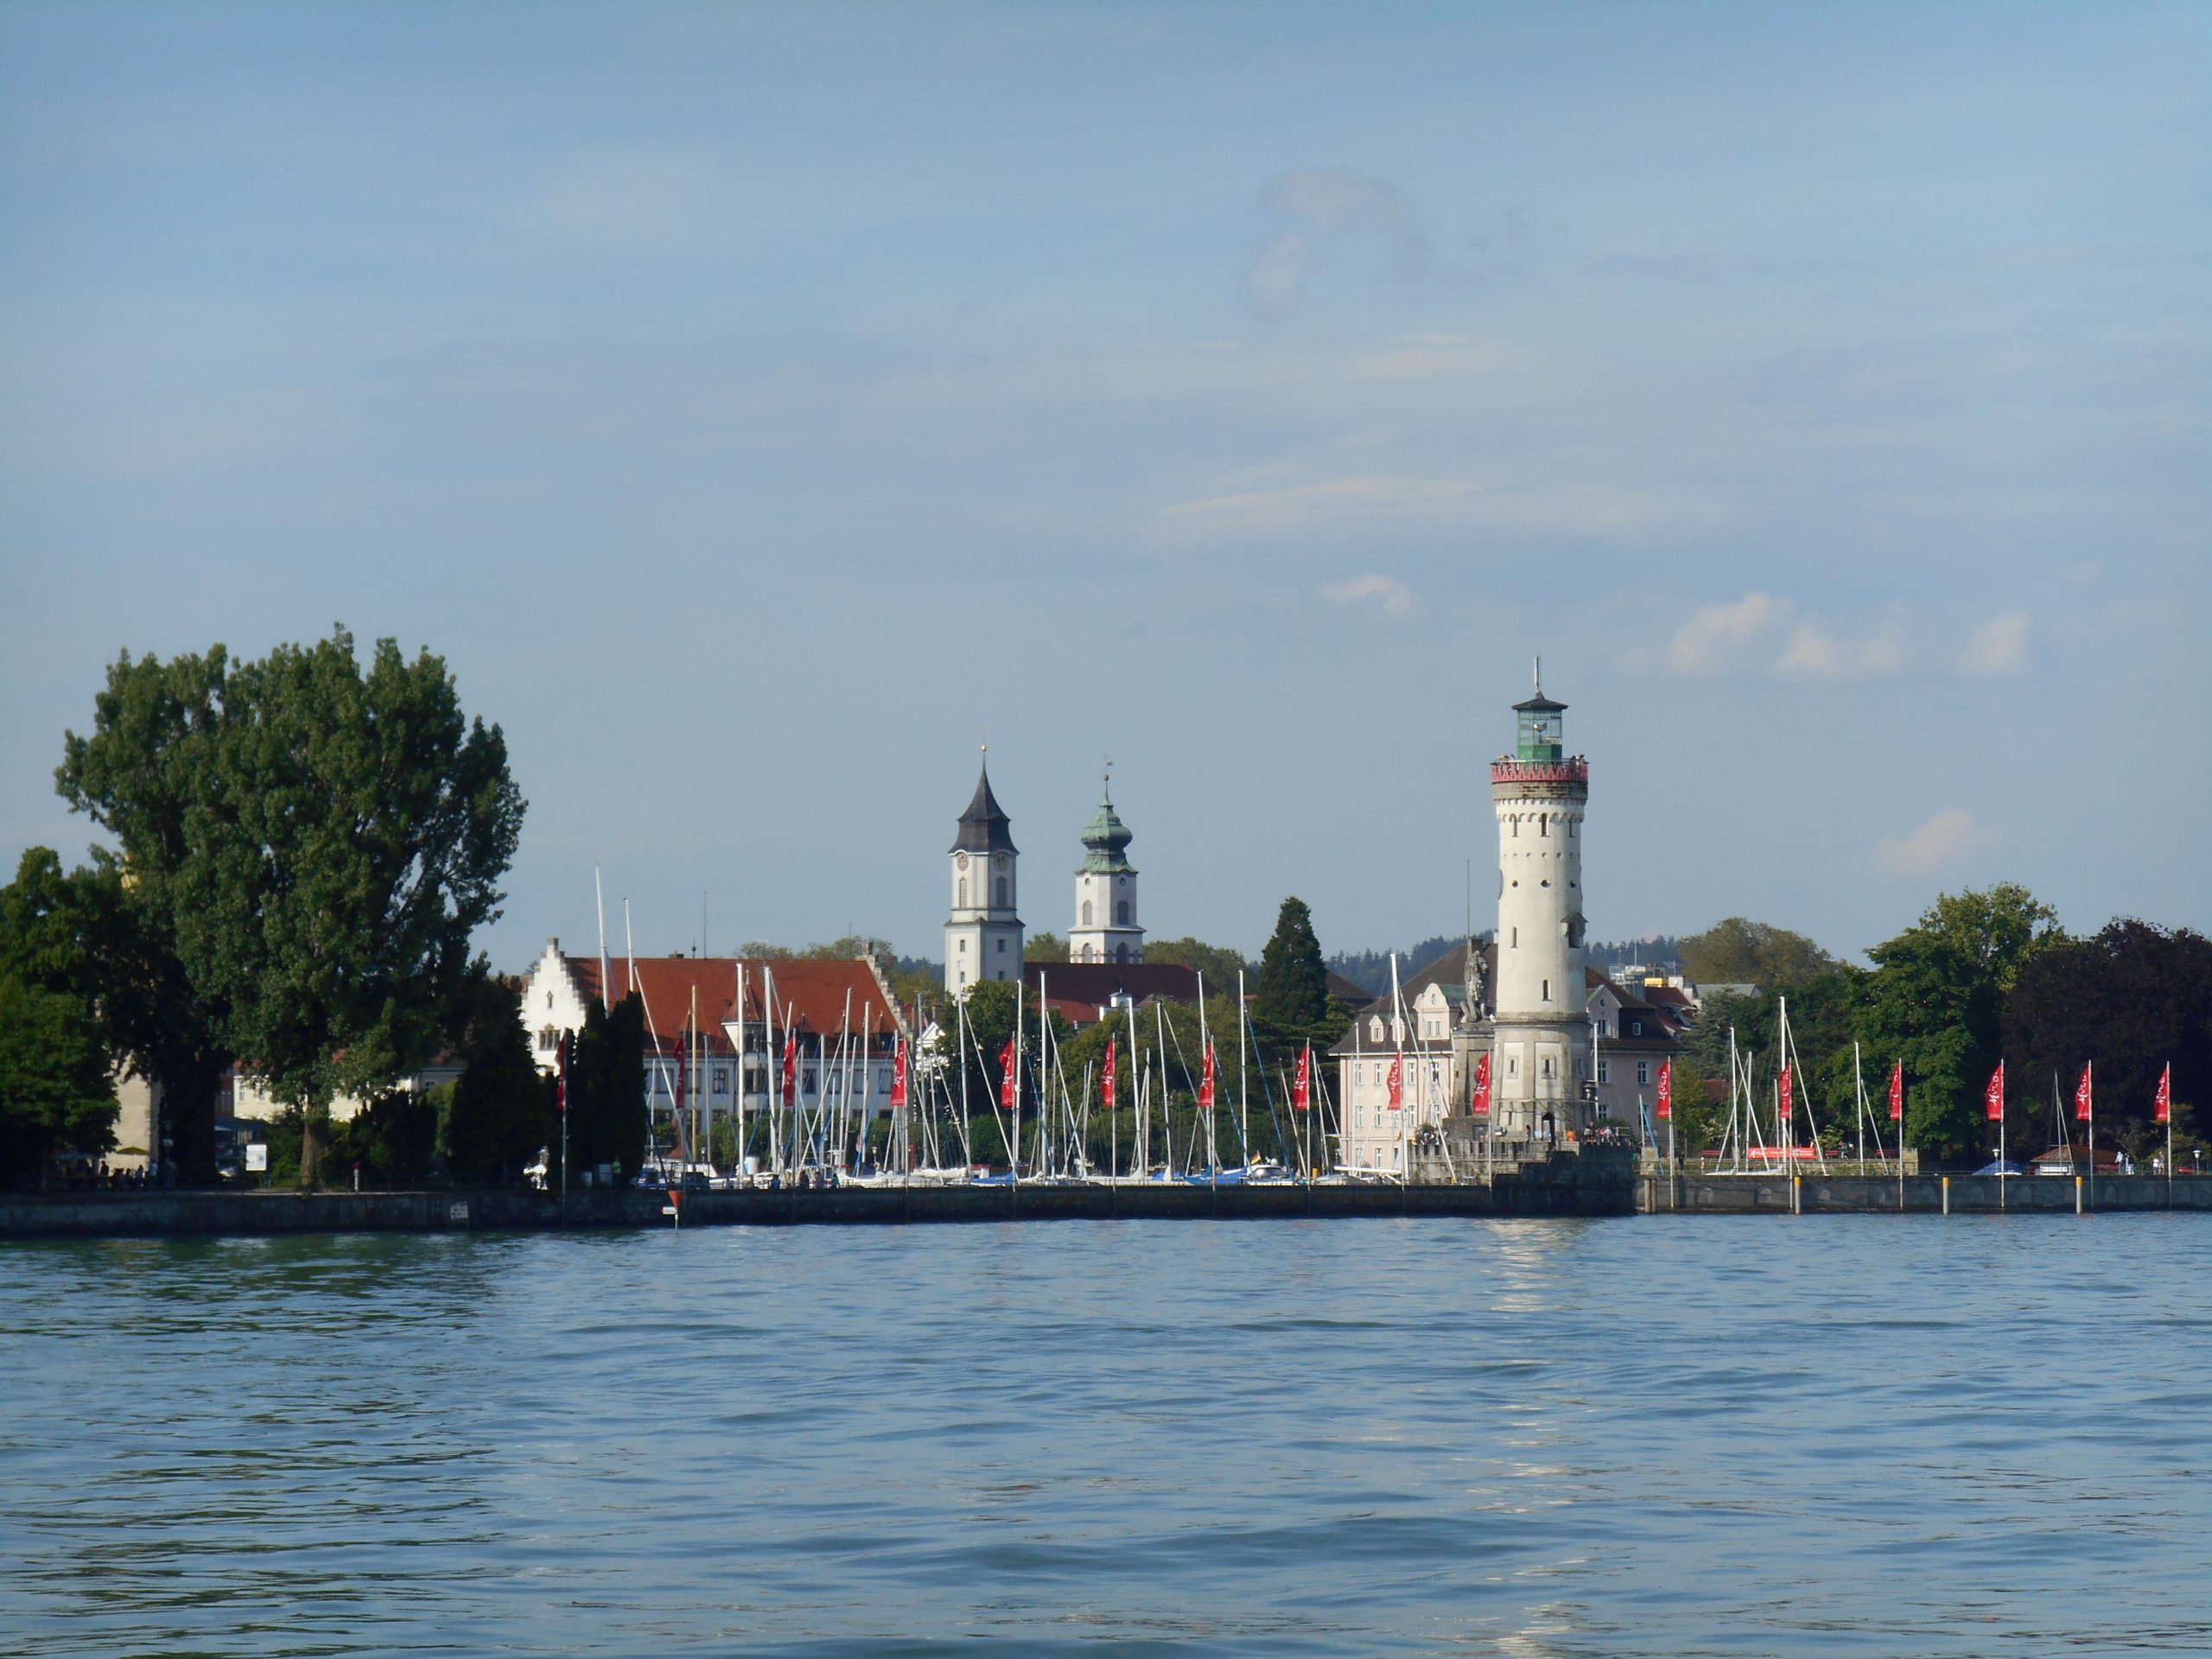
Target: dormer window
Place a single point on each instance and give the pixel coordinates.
(1374, 1029)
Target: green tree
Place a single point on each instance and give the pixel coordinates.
(608, 1119)
(1740, 951)
(1935, 1000)
(2132, 999)
(324, 842)
(393, 1139)
(502, 1109)
(1698, 1120)
(88, 933)
(1217, 963)
(1045, 947)
(56, 1092)
(1291, 1003)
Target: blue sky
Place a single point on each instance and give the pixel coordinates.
(756, 404)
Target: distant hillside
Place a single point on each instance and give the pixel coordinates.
(1371, 968)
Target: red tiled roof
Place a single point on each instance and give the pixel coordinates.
(818, 998)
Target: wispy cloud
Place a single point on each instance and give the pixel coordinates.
(1396, 599)
(1466, 505)
(1814, 653)
(1318, 215)
(1718, 637)
(1998, 647)
(1934, 847)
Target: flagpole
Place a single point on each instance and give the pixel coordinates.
(2089, 1076)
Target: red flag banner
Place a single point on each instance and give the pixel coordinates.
(566, 1048)
(2084, 1101)
(1301, 1089)
(790, 1069)
(682, 1066)
(1106, 1091)
(1665, 1089)
(1993, 1096)
(1205, 1083)
(1896, 1093)
(898, 1077)
(1481, 1084)
(2162, 1103)
(1009, 1079)
(1785, 1094)
(1398, 1084)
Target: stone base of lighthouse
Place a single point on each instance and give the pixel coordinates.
(1539, 1065)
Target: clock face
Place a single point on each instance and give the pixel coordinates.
(1003, 861)
(961, 863)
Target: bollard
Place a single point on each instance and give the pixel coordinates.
(1797, 1195)
(2077, 1195)
(1946, 1195)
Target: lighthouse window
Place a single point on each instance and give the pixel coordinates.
(1548, 990)
(1543, 826)
(1548, 1068)
(1517, 931)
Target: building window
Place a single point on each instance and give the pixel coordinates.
(1001, 947)
(964, 947)
(721, 1079)
(1636, 1025)
(549, 999)
(1548, 1068)
(1086, 912)
(1544, 826)
(1001, 892)
(963, 892)
(1605, 1070)
(1644, 1072)
(1122, 913)
(1548, 990)
(1516, 935)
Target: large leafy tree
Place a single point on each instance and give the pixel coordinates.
(56, 1089)
(90, 933)
(2132, 999)
(1935, 1001)
(321, 842)
(1740, 951)
(1217, 963)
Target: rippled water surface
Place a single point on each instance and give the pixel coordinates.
(1697, 1436)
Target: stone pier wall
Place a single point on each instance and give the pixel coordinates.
(1873, 1194)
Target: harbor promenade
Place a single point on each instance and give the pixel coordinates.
(1694, 1192)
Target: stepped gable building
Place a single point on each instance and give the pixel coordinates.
(1105, 927)
(841, 1015)
(983, 933)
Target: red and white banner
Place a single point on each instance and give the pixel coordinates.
(1786, 1091)
(1665, 1089)
(2162, 1103)
(1993, 1096)
(1481, 1084)
(567, 1049)
(1205, 1084)
(1398, 1084)
(2085, 1102)
(898, 1077)
(1302, 1088)
(1009, 1078)
(1106, 1079)
(1896, 1093)
(790, 1069)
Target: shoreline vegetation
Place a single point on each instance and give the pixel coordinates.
(299, 850)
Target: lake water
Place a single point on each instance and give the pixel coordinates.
(1668, 1435)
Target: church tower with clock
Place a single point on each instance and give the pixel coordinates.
(983, 933)
(1541, 1057)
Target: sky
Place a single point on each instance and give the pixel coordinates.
(759, 407)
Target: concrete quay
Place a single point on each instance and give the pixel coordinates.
(1565, 1185)
(1696, 1193)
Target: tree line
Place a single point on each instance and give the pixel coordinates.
(302, 847)
(1981, 977)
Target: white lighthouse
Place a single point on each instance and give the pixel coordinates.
(982, 934)
(1541, 1032)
